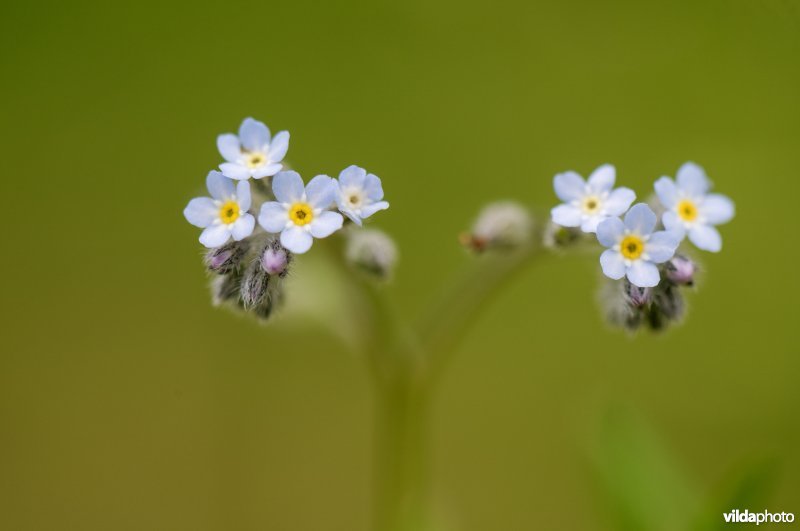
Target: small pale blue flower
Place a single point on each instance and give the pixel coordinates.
(254, 153)
(359, 194)
(633, 248)
(224, 214)
(300, 213)
(691, 209)
(586, 204)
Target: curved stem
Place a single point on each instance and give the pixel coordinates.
(458, 308)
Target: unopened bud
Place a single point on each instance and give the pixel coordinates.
(226, 258)
(225, 288)
(636, 296)
(556, 236)
(254, 285)
(275, 259)
(680, 270)
(372, 251)
(499, 225)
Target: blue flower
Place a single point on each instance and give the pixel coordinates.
(691, 209)
(586, 204)
(359, 194)
(224, 214)
(633, 248)
(300, 213)
(253, 153)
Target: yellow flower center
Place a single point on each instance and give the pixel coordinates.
(301, 214)
(687, 210)
(631, 247)
(229, 212)
(590, 204)
(256, 159)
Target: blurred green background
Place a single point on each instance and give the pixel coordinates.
(128, 403)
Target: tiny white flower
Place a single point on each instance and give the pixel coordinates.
(586, 204)
(253, 153)
(359, 194)
(224, 214)
(691, 209)
(300, 213)
(633, 248)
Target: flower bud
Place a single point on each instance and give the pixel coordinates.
(636, 296)
(225, 288)
(254, 285)
(499, 225)
(226, 258)
(680, 270)
(556, 236)
(371, 251)
(275, 259)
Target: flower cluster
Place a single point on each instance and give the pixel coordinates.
(641, 249)
(251, 246)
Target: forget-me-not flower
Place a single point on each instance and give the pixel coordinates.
(254, 153)
(633, 248)
(691, 209)
(300, 213)
(359, 194)
(224, 214)
(586, 204)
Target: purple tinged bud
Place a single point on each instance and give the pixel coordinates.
(275, 259)
(680, 270)
(226, 258)
(638, 297)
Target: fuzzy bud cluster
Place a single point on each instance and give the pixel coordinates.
(655, 308)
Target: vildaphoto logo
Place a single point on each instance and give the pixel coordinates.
(746, 517)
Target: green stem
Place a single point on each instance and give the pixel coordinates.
(401, 438)
(459, 307)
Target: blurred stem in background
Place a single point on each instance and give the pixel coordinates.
(406, 365)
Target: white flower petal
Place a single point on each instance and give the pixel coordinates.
(619, 201)
(373, 187)
(706, 237)
(219, 186)
(288, 187)
(266, 171)
(235, 170)
(321, 191)
(296, 239)
(717, 209)
(602, 179)
(566, 215)
(229, 147)
(590, 223)
(215, 235)
(253, 135)
(666, 191)
(353, 176)
(609, 231)
(243, 195)
(273, 217)
(243, 227)
(661, 246)
(368, 210)
(643, 274)
(613, 264)
(279, 146)
(201, 212)
(641, 220)
(692, 179)
(569, 186)
(353, 216)
(326, 224)
(672, 222)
